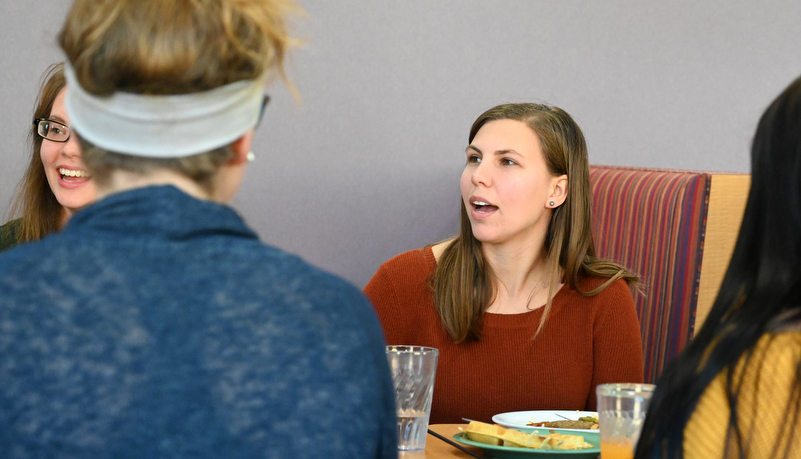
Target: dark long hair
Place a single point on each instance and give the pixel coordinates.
(463, 281)
(761, 292)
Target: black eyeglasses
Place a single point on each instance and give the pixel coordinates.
(52, 130)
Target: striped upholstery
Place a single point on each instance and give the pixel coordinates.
(653, 222)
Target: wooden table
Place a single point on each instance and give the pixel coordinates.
(436, 448)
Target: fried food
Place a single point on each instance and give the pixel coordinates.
(493, 434)
(490, 434)
(584, 422)
(588, 425)
(570, 441)
(519, 439)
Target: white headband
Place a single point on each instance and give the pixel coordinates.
(164, 126)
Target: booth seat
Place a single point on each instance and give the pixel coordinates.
(676, 229)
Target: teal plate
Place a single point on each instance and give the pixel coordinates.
(509, 452)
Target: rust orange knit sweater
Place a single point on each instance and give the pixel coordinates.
(587, 341)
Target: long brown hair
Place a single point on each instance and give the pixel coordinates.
(129, 46)
(34, 201)
(463, 282)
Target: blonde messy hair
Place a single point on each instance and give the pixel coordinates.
(169, 47)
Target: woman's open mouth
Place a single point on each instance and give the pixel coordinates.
(71, 175)
(483, 207)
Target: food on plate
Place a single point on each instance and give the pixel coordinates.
(587, 425)
(584, 422)
(481, 432)
(519, 439)
(493, 434)
(570, 441)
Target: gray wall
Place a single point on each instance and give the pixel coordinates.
(367, 165)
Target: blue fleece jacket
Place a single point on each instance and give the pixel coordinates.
(157, 325)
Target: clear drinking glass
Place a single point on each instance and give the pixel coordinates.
(413, 369)
(621, 414)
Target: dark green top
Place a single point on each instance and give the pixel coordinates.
(9, 234)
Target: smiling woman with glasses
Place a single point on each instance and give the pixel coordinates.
(56, 183)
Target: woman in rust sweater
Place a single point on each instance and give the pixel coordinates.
(524, 315)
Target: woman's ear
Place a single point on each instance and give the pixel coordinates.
(558, 191)
(240, 148)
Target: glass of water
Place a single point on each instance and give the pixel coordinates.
(413, 369)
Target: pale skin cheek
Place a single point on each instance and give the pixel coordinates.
(47, 155)
(465, 185)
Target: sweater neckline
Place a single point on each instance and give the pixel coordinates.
(159, 212)
(520, 320)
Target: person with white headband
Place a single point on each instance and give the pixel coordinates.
(155, 324)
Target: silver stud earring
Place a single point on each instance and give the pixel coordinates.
(551, 203)
(251, 156)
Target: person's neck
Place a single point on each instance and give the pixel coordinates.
(125, 181)
(521, 277)
(66, 214)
